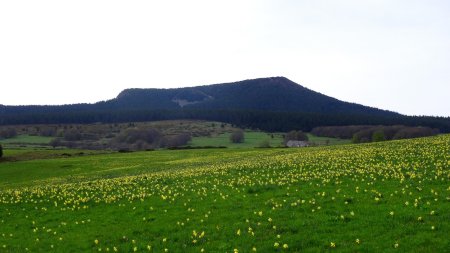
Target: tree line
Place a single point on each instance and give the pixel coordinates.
(367, 133)
(263, 120)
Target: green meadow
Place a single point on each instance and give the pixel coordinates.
(252, 139)
(390, 196)
(255, 139)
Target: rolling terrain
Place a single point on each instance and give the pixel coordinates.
(263, 94)
(390, 196)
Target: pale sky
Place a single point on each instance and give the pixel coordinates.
(390, 54)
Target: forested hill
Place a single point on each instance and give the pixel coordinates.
(264, 94)
(272, 104)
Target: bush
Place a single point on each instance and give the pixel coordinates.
(355, 138)
(48, 131)
(131, 136)
(264, 144)
(237, 136)
(364, 133)
(72, 135)
(176, 141)
(8, 133)
(378, 136)
(55, 142)
(415, 132)
(295, 136)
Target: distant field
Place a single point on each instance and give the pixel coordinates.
(204, 133)
(252, 139)
(256, 139)
(27, 139)
(326, 140)
(378, 197)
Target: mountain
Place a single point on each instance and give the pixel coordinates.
(272, 104)
(277, 94)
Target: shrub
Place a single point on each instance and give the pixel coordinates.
(48, 131)
(378, 136)
(8, 133)
(265, 144)
(55, 142)
(355, 138)
(176, 141)
(415, 132)
(237, 136)
(295, 136)
(72, 135)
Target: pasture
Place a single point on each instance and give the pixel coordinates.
(380, 197)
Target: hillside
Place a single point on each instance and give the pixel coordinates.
(266, 94)
(270, 104)
(378, 197)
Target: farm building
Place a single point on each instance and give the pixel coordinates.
(297, 144)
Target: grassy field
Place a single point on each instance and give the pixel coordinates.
(252, 140)
(326, 140)
(380, 197)
(257, 139)
(26, 139)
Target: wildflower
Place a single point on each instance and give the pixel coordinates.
(276, 244)
(96, 241)
(357, 241)
(333, 245)
(285, 246)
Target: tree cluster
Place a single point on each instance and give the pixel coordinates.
(237, 136)
(264, 120)
(144, 139)
(367, 133)
(8, 133)
(295, 136)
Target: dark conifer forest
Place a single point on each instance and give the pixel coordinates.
(269, 104)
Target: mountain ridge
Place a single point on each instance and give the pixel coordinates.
(266, 94)
(271, 104)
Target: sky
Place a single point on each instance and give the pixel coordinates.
(390, 54)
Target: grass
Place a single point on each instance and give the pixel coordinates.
(252, 139)
(379, 197)
(27, 139)
(256, 139)
(326, 140)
